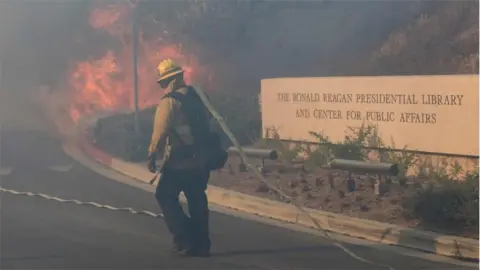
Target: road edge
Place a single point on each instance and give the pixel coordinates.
(384, 233)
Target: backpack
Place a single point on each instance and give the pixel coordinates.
(206, 143)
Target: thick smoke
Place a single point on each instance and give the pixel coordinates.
(37, 41)
(241, 41)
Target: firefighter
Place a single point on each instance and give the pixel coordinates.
(181, 170)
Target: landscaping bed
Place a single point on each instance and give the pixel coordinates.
(450, 208)
(440, 201)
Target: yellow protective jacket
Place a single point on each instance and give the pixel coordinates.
(169, 117)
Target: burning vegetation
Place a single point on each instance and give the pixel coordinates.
(105, 82)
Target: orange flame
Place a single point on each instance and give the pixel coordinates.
(106, 84)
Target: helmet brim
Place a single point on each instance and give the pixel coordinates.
(169, 75)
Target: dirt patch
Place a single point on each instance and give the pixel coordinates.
(329, 190)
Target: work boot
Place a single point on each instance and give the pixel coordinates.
(201, 249)
(197, 252)
(180, 245)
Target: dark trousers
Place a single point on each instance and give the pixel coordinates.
(191, 230)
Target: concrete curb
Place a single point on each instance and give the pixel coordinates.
(378, 232)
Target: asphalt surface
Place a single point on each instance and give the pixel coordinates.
(41, 234)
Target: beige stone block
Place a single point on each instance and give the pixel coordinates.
(435, 114)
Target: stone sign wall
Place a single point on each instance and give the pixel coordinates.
(435, 114)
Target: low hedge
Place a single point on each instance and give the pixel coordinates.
(449, 205)
(115, 135)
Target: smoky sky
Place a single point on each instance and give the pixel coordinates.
(288, 38)
(309, 38)
(35, 44)
(242, 41)
(39, 38)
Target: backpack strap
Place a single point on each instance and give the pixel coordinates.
(185, 101)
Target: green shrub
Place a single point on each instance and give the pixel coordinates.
(319, 156)
(451, 205)
(404, 159)
(286, 152)
(354, 144)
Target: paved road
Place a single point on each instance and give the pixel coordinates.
(42, 234)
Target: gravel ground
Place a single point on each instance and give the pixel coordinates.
(322, 189)
(326, 190)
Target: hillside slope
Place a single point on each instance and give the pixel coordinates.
(444, 41)
(345, 39)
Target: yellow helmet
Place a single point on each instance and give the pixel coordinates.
(167, 68)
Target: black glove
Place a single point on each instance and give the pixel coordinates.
(152, 166)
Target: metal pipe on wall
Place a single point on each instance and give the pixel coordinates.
(256, 153)
(362, 166)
